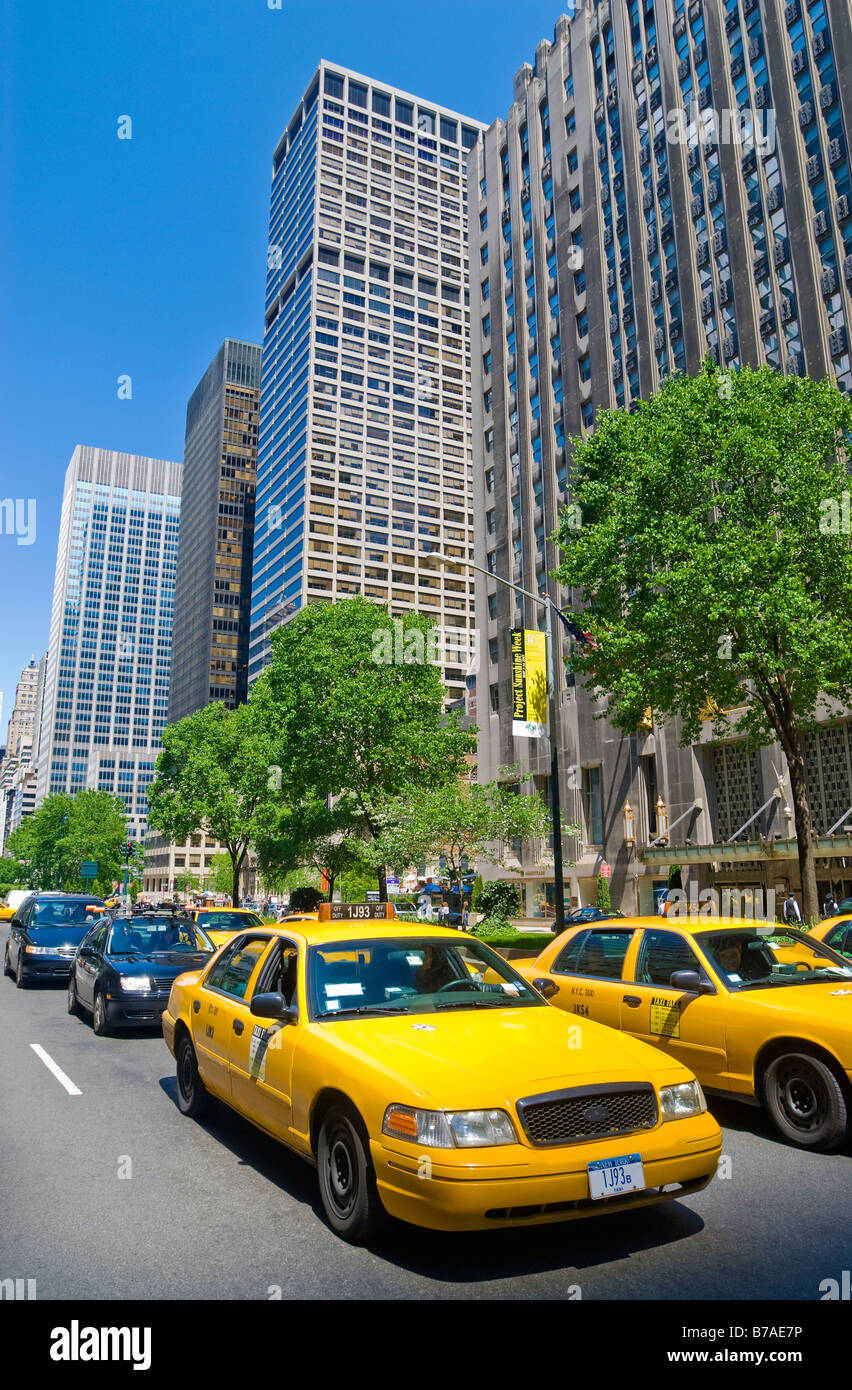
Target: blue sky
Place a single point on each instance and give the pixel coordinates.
(139, 256)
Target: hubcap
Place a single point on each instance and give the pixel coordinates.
(341, 1173)
(801, 1098)
(185, 1076)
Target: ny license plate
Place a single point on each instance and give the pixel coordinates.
(610, 1176)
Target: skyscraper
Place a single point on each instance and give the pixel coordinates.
(107, 684)
(365, 448)
(213, 594)
(17, 789)
(672, 179)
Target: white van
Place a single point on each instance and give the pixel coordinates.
(17, 896)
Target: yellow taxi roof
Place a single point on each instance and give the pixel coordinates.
(318, 933)
(692, 923)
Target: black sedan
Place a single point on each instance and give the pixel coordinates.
(44, 935)
(123, 972)
(589, 914)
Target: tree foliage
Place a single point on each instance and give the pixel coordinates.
(350, 719)
(67, 830)
(714, 560)
(217, 774)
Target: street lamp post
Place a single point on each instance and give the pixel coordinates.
(546, 602)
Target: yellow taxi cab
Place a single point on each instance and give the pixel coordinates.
(758, 1011)
(425, 1079)
(835, 932)
(220, 923)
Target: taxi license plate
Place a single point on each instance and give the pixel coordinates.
(610, 1176)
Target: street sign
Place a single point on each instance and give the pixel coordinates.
(89, 868)
(606, 871)
(372, 895)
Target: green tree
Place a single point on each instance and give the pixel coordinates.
(314, 835)
(217, 773)
(500, 900)
(39, 839)
(715, 561)
(13, 874)
(461, 821)
(602, 898)
(357, 709)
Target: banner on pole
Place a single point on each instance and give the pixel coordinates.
(529, 684)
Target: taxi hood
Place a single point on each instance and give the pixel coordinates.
(821, 1003)
(472, 1058)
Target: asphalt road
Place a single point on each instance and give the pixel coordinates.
(113, 1194)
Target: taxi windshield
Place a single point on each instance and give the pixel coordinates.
(154, 936)
(416, 975)
(755, 958)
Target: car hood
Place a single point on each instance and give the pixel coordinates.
(479, 1058)
(165, 963)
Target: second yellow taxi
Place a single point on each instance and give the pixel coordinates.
(423, 1077)
(757, 1011)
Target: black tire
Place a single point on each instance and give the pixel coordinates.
(21, 980)
(347, 1181)
(72, 1003)
(7, 969)
(805, 1101)
(193, 1098)
(100, 1018)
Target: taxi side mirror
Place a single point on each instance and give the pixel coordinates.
(546, 987)
(690, 982)
(273, 1006)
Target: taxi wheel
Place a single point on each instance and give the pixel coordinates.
(100, 1021)
(193, 1098)
(72, 1003)
(347, 1182)
(805, 1101)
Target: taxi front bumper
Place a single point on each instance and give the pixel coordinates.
(522, 1186)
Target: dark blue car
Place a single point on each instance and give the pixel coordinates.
(122, 974)
(44, 935)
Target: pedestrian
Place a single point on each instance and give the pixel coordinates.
(830, 907)
(791, 910)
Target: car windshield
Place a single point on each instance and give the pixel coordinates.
(762, 958)
(53, 913)
(155, 936)
(411, 976)
(228, 921)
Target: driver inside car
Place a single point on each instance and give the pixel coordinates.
(436, 970)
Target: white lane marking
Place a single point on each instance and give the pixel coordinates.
(57, 1071)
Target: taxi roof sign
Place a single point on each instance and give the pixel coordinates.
(355, 912)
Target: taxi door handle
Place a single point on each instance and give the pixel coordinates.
(238, 1026)
(632, 1001)
(196, 1006)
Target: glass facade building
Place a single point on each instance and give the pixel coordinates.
(671, 180)
(365, 450)
(109, 655)
(213, 594)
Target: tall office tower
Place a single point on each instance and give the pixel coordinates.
(213, 594)
(365, 448)
(16, 793)
(109, 655)
(671, 180)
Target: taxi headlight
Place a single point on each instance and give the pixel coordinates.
(682, 1101)
(135, 984)
(439, 1129)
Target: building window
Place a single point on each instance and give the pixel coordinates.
(381, 104)
(593, 805)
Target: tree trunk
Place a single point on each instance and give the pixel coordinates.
(804, 829)
(383, 884)
(236, 864)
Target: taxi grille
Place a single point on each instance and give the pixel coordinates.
(588, 1112)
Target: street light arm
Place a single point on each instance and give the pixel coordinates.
(447, 560)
